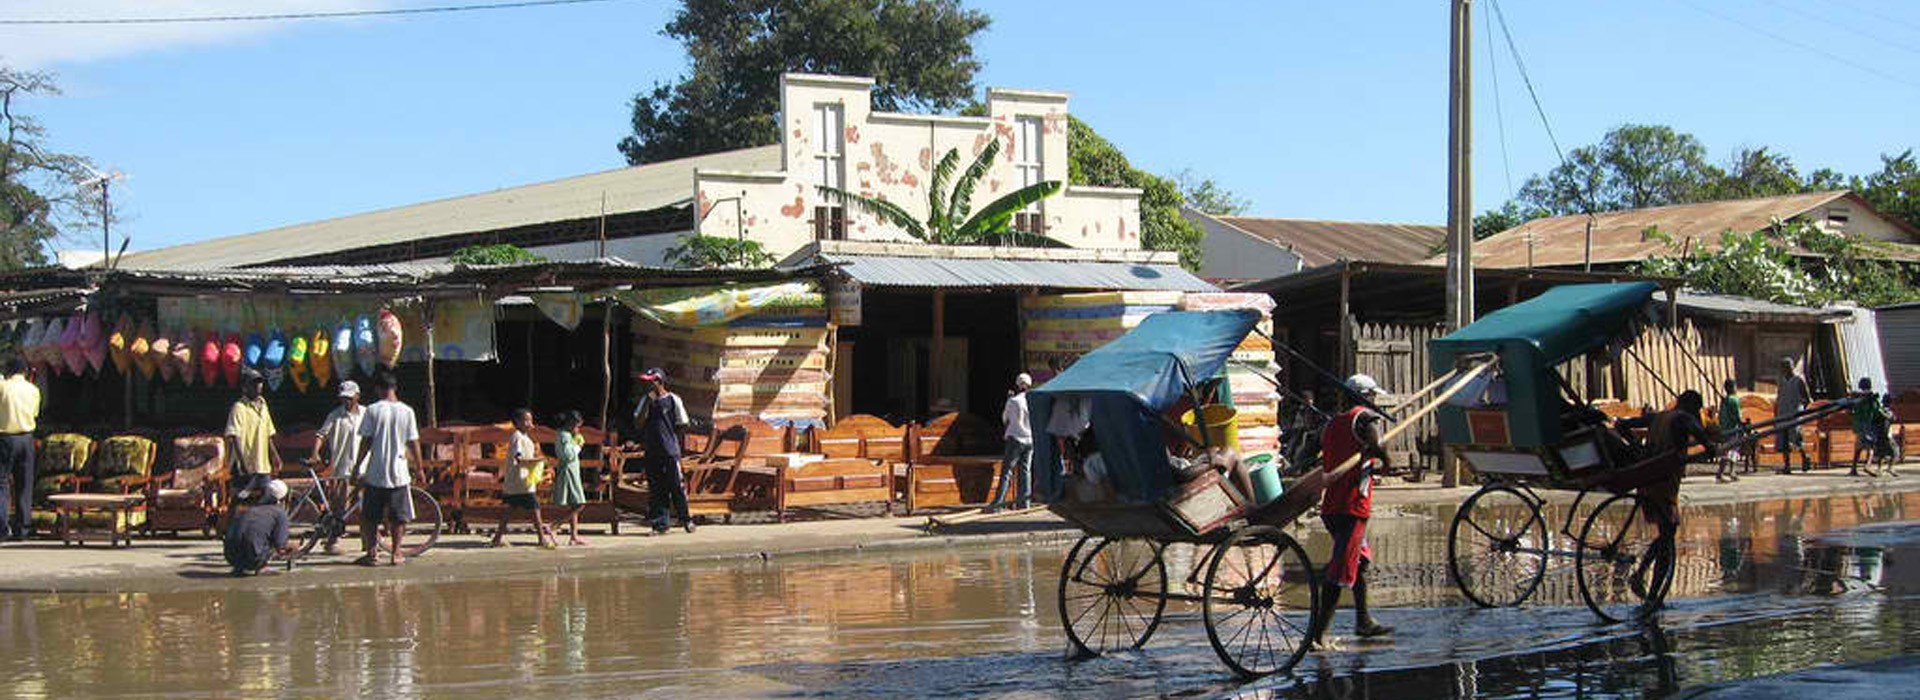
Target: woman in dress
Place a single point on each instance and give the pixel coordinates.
(567, 491)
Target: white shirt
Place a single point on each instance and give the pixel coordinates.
(341, 431)
(390, 426)
(1015, 416)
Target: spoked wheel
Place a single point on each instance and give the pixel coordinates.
(421, 532)
(1260, 600)
(1624, 559)
(1497, 547)
(1112, 594)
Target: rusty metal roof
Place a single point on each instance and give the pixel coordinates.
(1321, 242)
(1621, 236)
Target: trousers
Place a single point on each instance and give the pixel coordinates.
(16, 484)
(667, 491)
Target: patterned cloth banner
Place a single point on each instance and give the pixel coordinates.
(563, 308)
(701, 307)
(463, 330)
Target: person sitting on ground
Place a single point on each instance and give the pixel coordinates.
(1870, 422)
(1669, 434)
(1730, 422)
(568, 492)
(525, 469)
(1352, 451)
(259, 533)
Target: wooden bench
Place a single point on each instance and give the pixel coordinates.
(1906, 422)
(731, 475)
(832, 481)
(1758, 408)
(70, 510)
(954, 461)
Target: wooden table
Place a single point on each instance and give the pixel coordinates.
(71, 506)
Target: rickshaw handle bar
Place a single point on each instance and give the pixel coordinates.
(1408, 422)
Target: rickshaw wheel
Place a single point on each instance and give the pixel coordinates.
(1254, 579)
(1494, 555)
(1624, 560)
(1112, 593)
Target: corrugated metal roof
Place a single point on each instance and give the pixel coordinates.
(633, 189)
(1620, 236)
(968, 273)
(1743, 309)
(1322, 242)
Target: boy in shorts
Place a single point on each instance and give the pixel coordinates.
(525, 469)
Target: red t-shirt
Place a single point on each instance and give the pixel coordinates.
(1352, 492)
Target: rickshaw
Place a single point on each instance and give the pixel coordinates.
(1522, 428)
(1255, 585)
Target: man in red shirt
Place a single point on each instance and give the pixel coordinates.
(1350, 451)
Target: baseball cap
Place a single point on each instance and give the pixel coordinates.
(349, 388)
(277, 489)
(1363, 385)
(249, 375)
(654, 374)
(1023, 380)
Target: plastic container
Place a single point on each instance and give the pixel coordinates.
(1266, 479)
(1223, 426)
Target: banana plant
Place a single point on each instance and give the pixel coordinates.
(950, 217)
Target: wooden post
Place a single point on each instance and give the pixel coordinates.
(937, 357)
(127, 395)
(833, 372)
(1345, 360)
(606, 360)
(433, 393)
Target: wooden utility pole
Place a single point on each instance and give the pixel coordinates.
(1460, 170)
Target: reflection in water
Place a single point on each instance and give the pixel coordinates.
(980, 622)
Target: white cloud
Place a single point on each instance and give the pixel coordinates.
(46, 46)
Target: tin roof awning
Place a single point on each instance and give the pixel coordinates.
(1738, 309)
(952, 267)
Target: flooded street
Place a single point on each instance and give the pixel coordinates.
(1763, 588)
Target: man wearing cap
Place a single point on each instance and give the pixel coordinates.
(1018, 452)
(339, 441)
(250, 435)
(661, 420)
(1350, 450)
(258, 533)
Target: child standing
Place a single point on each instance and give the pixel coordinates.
(525, 469)
(567, 491)
(1729, 425)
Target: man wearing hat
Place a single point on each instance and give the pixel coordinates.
(258, 533)
(1018, 452)
(660, 420)
(1351, 451)
(338, 440)
(250, 434)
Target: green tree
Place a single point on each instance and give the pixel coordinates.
(1633, 166)
(919, 52)
(1093, 160)
(1895, 189)
(718, 252)
(1791, 263)
(1209, 197)
(41, 195)
(950, 216)
(494, 254)
(1756, 172)
(1493, 221)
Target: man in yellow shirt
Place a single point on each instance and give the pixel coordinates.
(250, 435)
(19, 416)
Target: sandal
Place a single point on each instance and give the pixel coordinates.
(368, 560)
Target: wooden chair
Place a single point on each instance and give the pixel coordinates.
(485, 461)
(1906, 422)
(833, 481)
(954, 460)
(123, 466)
(599, 468)
(189, 494)
(59, 465)
(719, 480)
(443, 452)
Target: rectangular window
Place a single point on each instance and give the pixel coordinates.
(830, 218)
(1837, 217)
(1030, 165)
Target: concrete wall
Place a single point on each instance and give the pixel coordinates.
(1859, 222)
(1235, 255)
(892, 156)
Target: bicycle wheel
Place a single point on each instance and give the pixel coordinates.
(420, 533)
(1112, 593)
(1260, 600)
(1497, 547)
(1624, 560)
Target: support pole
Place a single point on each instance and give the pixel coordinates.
(606, 361)
(433, 393)
(1460, 170)
(1345, 362)
(937, 357)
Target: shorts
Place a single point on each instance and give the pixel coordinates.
(378, 505)
(1350, 548)
(1789, 439)
(521, 501)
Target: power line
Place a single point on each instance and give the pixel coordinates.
(1520, 64)
(1881, 16)
(286, 16)
(1499, 114)
(1829, 55)
(1823, 19)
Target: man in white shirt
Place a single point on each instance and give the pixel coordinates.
(339, 441)
(1017, 457)
(19, 417)
(389, 449)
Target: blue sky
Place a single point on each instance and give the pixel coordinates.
(1330, 110)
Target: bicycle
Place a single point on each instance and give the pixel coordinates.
(312, 508)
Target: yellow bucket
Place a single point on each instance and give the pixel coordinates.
(1223, 426)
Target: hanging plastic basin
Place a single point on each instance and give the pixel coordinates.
(1223, 426)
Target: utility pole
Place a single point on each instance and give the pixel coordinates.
(1460, 170)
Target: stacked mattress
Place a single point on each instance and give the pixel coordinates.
(1062, 327)
(771, 365)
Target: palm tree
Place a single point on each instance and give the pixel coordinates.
(950, 217)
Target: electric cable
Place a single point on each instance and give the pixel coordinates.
(288, 16)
